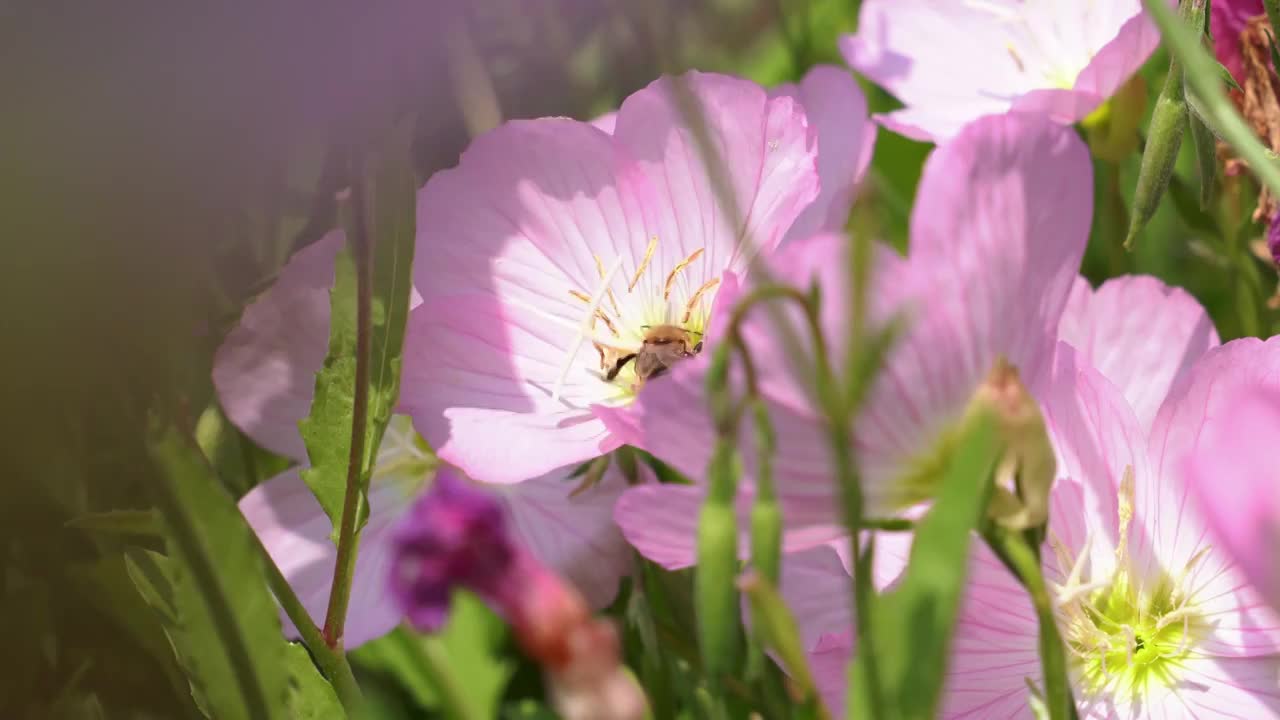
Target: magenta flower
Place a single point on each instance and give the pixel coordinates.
(457, 537)
(1231, 467)
(952, 62)
(1001, 220)
(264, 375)
(555, 245)
(1227, 21)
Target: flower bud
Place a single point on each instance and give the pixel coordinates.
(1026, 471)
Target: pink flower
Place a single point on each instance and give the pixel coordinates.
(1001, 220)
(554, 245)
(952, 62)
(1227, 20)
(1231, 463)
(264, 375)
(1157, 619)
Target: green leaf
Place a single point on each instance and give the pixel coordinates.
(471, 642)
(1226, 74)
(311, 697)
(209, 590)
(1275, 58)
(390, 214)
(913, 623)
(121, 522)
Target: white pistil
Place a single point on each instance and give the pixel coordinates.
(584, 331)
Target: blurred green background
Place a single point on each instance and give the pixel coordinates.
(160, 161)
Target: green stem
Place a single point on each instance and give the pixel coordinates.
(428, 652)
(1206, 96)
(1014, 550)
(348, 536)
(331, 662)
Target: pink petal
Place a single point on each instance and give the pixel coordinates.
(837, 109)
(994, 647)
(1140, 333)
(606, 122)
(1239, 688)
(1207, 413)
(264, 371)
(769, 161)
(661, 521)
(951, 63)
(576, 536)
(829, 662)
(1231, 472)
(295, 531)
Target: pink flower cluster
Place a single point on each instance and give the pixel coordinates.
(551, 253)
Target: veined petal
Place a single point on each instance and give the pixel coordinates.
(837, 109)
(769, 156)
(295, 531)
(1236, 688)
(1140, 333)
(575, 535)
(264, 371)
(951, 63)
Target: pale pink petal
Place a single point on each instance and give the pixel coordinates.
(951, 63)
(606, 122)
(829, 663)
(1140, 333)
(768, 153)
(837, 109)
(661, 521)
(1231, 471)
(1230, 689)
(575, 536)
(264, 371)
(993, 650)
(295, 531)
(1207, 408)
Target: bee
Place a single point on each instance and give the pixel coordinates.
(663, 347)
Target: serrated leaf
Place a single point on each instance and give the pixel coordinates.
(913, 623)
(209, 590)
(120, 522)
(390, 215)
(311, 697)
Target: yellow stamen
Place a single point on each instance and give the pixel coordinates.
(608, 291)
(648, 255)
(666, 292)
(697, 295)
(600, 314)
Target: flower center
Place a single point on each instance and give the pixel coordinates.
(1035, 42)
(621, 325)
(1122, 636)
(404, 459)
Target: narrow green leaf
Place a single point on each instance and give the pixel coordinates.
(310, 696)
(120, 522)
(1231, 81)
(209, 591)
(391, 214)
(914, 622)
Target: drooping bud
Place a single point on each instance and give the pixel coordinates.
(1164, 136)
(1026, 471)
